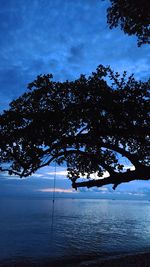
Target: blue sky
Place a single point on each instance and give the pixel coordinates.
(65, 38)
(41, 184)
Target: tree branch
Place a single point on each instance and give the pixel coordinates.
(84, 139)
(140, 174)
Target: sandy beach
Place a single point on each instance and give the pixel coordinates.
(138, 260)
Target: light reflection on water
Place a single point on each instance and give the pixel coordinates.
(80, 227)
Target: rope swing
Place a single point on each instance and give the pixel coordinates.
(53, 197)
(54, 185)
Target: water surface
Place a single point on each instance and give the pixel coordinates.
(80, 227)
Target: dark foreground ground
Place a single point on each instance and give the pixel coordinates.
(138, 260)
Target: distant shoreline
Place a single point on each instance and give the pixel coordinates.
(129, 260)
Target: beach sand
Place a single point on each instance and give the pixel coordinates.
(135, 260)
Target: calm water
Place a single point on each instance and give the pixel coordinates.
(82, 227)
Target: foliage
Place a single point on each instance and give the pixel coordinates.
(133, 16)
(91, 123)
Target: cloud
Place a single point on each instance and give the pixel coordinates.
(60, 173)
(57, 190)
(39, 184)
(76, 54)
(100, 190)
(48, 172)
(65, 40)
(43, 181)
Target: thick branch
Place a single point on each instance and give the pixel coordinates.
(140, 174)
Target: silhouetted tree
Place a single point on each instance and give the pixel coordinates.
(133, 16)
(92, 124)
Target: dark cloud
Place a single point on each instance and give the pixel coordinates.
(76, 54)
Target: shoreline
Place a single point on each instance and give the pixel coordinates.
(127, 260)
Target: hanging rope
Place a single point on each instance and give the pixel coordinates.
(53, 197)
(54, 186)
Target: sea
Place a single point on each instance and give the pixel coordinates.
(38, 229)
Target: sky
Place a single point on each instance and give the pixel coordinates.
(65, 38)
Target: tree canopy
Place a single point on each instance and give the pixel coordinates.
(95, 124)
(133, 16)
